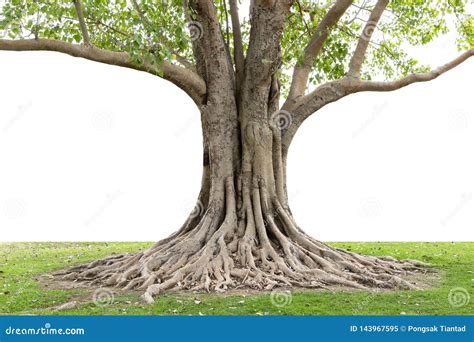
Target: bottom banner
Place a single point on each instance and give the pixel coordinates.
(237, 328)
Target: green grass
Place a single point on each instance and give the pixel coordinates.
(20, 293)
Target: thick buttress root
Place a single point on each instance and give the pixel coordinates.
(256, 247)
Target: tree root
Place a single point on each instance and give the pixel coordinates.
(258, 248)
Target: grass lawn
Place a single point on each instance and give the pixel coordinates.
(21, 294)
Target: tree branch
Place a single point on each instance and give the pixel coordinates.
(364, 40)
(227, 30)
(213, 59)
(82, 22)
(263, 59)
(184, 78)
(358, 85)
(141, 14)
(302, 69)
(239, 58)
(332, 91)
(305, 106)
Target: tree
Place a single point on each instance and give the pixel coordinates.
(237, 70)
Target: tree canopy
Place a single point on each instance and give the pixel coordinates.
(154, 31)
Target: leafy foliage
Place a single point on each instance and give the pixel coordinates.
(404, 23)
(159, 30)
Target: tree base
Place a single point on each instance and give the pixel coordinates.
(223, 272)
(260, 251)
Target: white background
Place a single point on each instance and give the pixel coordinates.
(91, 152)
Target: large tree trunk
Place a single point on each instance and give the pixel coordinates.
(241, 232)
